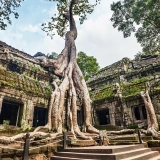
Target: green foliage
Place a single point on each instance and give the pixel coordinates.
(137, 57)
(129, 89)
(35, 69)
(104, 86)
(8, 7)
(134, 88)
(53, 55)
(141, 17)
(132, 126)
(24, 126)
(157, 86)
(87, 64)
(105, 93)
(24, 83)
(6, 122)
(59, 24)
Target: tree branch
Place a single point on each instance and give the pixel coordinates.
(71, 19)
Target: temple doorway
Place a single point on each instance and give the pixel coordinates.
(103, 117)
(79, 117)
(139, 112)
(10, 114)
(40, 116)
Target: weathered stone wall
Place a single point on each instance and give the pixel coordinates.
(23, 81)
(41, 151)
(22, 63)
(133, 76)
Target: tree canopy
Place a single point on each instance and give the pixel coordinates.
(141, 17)
(53, 55)
(59, 24)
(8, 7)
(87, 64)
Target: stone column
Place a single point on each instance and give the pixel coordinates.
(141, 114)
(30, 113)
(24, 111)
(112, 113)
(1, 102)
(96, 121)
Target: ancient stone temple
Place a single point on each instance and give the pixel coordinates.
(24, 88)
(115, 91)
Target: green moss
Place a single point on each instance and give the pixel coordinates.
(154, 143)
(23, 83)
(133, 126)
(104, 93)
(35, 69)
(108, 127)
(129, 89)
(134, 88)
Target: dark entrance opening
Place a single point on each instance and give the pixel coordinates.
(40, 116)
(10, 114)
(14, 67)
(144, 112)
(139, 112)
(79, 118)
(103, 117)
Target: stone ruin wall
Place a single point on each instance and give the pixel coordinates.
(132, 75)
(23, 81)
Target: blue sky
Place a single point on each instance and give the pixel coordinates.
(96, 36)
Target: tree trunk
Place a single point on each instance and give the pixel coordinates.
(151, 116)
(65, 66)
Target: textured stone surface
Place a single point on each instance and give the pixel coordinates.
(126, 152)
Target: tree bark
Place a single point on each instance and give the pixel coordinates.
(151, 116)
(65, 66)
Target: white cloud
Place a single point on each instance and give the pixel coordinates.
(29, 28)
(96, 37)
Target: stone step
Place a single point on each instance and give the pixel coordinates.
(121, 152)
(86, 155)
(123, 142)
(128, 154)
(67, 158)
(104, 149)
(155, 158)
(115, 156)
(81, 143)
(144, 156)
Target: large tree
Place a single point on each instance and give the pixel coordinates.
(71, 83)
(7, 8)
(87, 64)
(141, 17)
(66, 67)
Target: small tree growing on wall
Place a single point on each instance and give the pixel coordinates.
(151, 116)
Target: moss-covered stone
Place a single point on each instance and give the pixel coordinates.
(23, 83)
(154, 143)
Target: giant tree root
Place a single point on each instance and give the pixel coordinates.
(121, 132)
(21, 137)
(151, 116)
(72, 85)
